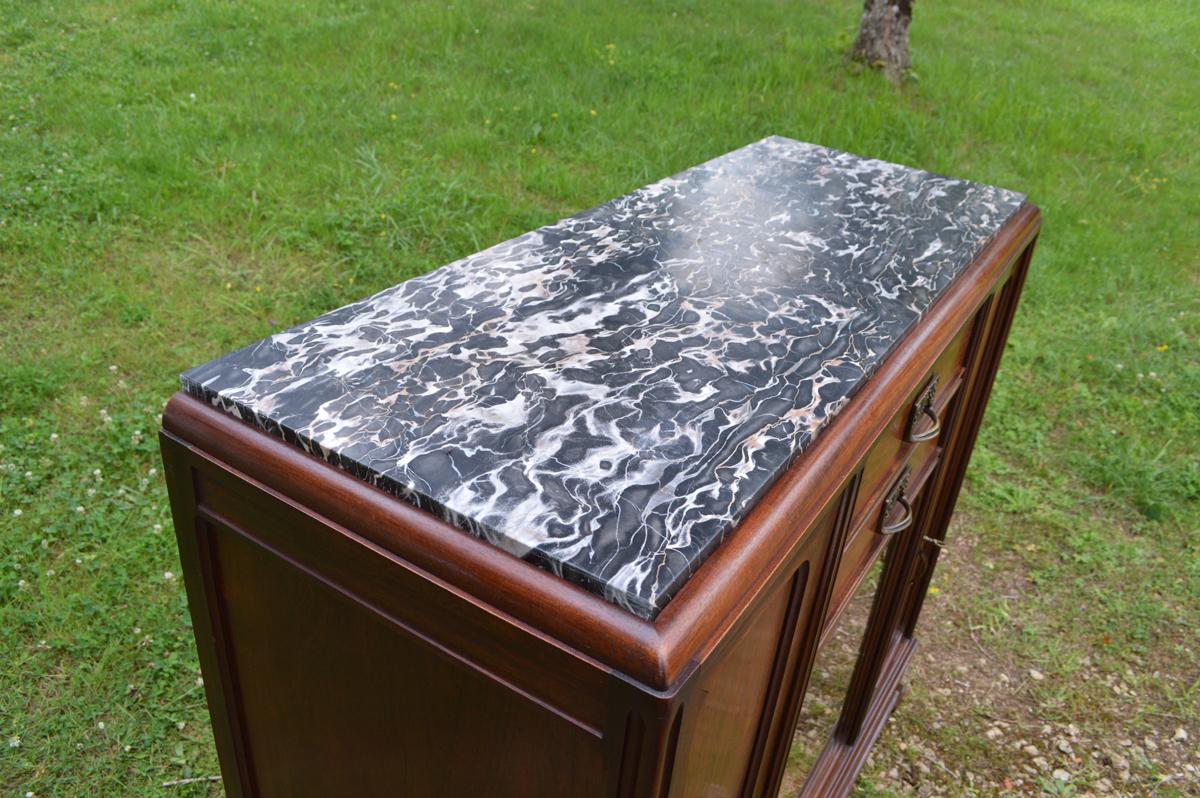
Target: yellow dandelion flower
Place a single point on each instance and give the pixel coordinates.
(228, 286)
(533, 150)
(393, 117)
(934, 590)
(593, 112)
(609, 46)
(1163, 347)
(487, 121)
(554, 114)
(258, 289)
(350, 280)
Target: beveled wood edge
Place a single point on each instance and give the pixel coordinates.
(658, 654)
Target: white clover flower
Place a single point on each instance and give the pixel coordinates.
(22, 584)
(54, 437)
(152, 471)
(17, 513)
(157, 528)
(79, 509)
(168, 576)
(14, 742)
(113, 368)
(180, 725)
(100, 726)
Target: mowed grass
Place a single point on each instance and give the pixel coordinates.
(180, 178)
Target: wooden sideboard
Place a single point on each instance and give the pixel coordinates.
(355, 645)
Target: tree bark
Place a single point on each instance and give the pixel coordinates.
(883, 36)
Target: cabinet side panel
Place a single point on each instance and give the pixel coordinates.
(338, 699)
(217, 687)
(334, 668)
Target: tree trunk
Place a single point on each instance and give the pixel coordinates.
(883, 36)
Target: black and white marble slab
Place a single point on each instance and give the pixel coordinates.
(608, 396)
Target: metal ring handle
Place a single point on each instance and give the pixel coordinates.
(932, 432)
(901, 525)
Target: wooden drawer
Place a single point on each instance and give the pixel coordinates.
(894, 448)
(911, 443)
(867, 537)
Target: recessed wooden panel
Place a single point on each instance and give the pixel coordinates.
(336, 699)
(724, 709)
(546, 672)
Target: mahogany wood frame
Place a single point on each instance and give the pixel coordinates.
(702, 701)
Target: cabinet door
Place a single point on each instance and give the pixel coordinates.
(854, 681)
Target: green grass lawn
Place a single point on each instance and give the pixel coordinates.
(180, 178)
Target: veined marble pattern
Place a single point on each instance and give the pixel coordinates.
(609, 395)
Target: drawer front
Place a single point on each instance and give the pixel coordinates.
(888, 512)
(914, 425)
(909, 445)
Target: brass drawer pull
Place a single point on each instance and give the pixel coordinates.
(896, 496)
(922, 409)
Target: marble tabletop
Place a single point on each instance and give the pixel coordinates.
(607, 396)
